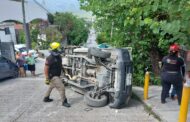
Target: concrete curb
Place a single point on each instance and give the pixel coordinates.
(148, 108)
(168, 112)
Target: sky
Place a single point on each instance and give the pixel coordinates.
(63, 6)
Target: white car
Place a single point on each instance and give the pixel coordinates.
(22, 48)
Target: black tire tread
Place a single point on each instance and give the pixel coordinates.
(95, 102)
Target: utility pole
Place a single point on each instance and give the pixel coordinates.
(26, 27)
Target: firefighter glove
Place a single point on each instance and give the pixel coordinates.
(47, 81)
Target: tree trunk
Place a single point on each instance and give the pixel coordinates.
(155, 58)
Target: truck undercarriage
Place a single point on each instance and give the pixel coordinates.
(102, 75)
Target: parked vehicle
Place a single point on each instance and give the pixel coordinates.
(22, 48)
(102, 75)
(7, 68)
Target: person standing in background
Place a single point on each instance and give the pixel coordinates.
(20, 62)
(31, 64)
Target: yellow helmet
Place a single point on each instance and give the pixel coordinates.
(54, 45)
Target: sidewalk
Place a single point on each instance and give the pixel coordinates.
(168, 112)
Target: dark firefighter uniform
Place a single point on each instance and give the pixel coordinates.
(53, 65)
(172, 73)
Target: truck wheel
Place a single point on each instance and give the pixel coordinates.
(95, 102)
(99, 53)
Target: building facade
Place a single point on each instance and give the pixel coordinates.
(7, 40)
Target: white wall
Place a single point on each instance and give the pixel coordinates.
(7, 40)
(9, 37)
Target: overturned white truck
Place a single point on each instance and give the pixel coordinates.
(102, 75)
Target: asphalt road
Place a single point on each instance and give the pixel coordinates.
(91, 41)
(21, 101)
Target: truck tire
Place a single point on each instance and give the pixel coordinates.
(99, 53)
(95, 102)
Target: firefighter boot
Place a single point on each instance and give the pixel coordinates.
(65, 103)
(47, 99)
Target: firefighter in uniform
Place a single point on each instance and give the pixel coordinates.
(52, 70)
(172, 72)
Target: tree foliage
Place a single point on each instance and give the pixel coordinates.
(33, 36)
(149, 26)
(21, 37)
(52, 34)
(74, 30)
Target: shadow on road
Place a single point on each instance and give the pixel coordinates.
(6, 79)
(75, 100)
(134, 102)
